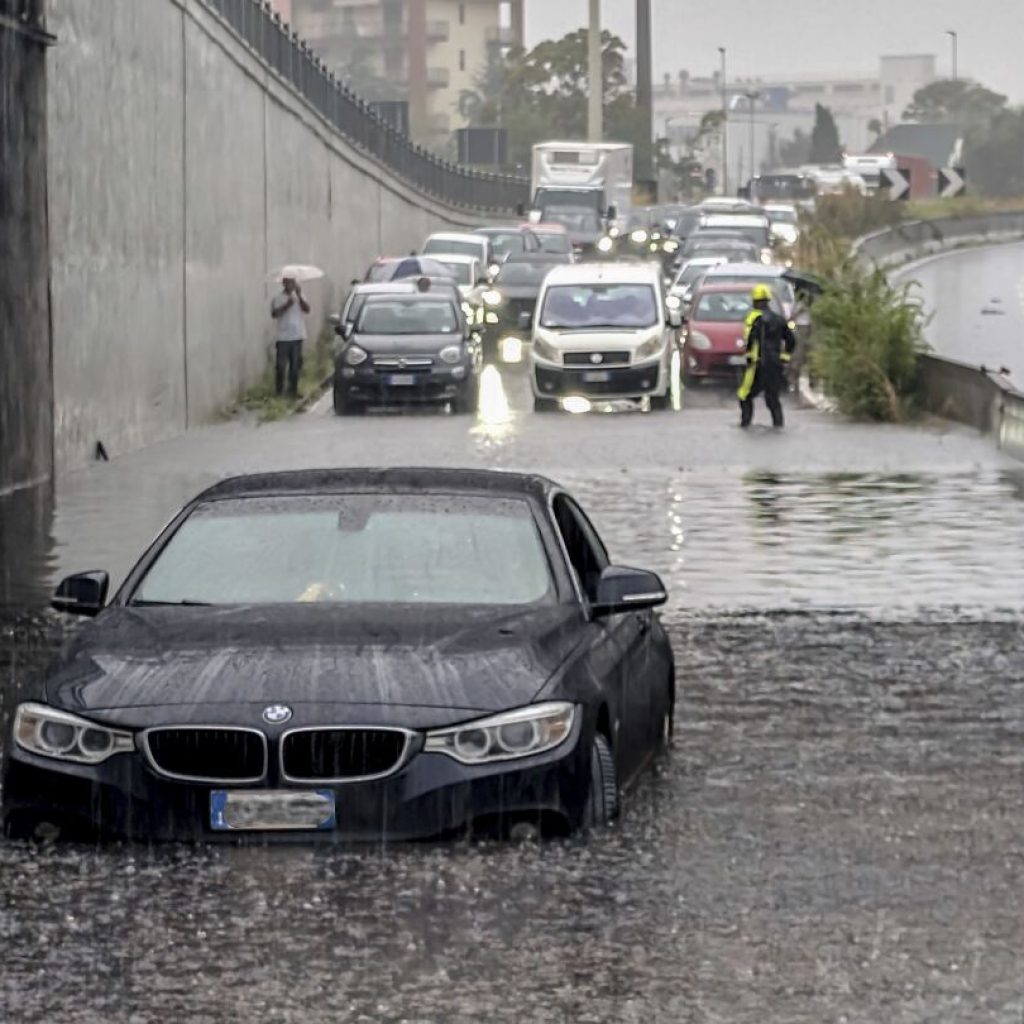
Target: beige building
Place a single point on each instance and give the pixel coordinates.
(425, 52)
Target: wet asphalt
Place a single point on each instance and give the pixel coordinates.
(836, 835)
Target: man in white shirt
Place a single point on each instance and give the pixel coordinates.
(289, 309)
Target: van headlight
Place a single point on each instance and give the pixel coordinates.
(649, 349)
(639, 236)
(767, 256)
(604, 244)
(451, 354)
(44, 730)
(520, 733)
(547, 352)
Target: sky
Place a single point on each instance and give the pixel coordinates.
(811, 37)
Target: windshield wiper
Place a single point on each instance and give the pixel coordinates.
(169, 604)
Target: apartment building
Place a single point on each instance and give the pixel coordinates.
(427, 52)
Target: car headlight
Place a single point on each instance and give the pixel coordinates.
(492, 297)
(673, 301)
(354, 355)
(451, 354)
(670, 246)
(614, 231)
(767, 256)
(521, 733)
(545, 351)
(649, 349)
(604, 244)
(639, 236)
(491, 318)
(792, 325)
(699, 341)
(493, 269)
(66, 737)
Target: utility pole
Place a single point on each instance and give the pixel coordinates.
(595, 73)
(954, 38)
(644, 91)
(752, 98)
(725, 128)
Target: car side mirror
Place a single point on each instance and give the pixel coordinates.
(525, 320)
(85, 593)
(346, 329)
(675, 318)
(620, 589)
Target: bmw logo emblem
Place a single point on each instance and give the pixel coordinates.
(277, 714)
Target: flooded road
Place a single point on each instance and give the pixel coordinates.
(835, 837)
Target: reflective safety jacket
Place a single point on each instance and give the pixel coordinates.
(770, 344)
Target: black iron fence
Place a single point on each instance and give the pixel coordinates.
(259, 26)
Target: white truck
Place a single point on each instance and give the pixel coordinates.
(585, 186)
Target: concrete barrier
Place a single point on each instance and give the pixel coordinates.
(182, 169)
(972, 395)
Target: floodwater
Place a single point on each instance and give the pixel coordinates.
(836, 835)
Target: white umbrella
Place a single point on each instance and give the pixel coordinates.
(297, 272)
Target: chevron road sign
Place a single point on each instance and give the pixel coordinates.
(952, 182)
(897, 181)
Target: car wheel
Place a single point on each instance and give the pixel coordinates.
(544, 404)
(468, 401)
(342, 405)
(603, 799)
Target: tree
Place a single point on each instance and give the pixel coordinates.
(961, 102)
(995, 154)
(825, 145)
(542, 94)
(796, 151)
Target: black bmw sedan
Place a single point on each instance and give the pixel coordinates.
(350, 654)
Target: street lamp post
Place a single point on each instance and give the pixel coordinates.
(954, 38)
(752, 98)
(725, 128)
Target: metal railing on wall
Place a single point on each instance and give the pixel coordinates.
(263, 31)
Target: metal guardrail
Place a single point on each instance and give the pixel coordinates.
(918, 238)
(259, 26)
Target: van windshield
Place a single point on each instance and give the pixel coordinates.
(581, 306)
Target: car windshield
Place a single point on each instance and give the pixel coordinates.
(555, 241)
(574, 218)
(599, 305)
(411, 316)
(455, 246)
(736, 248)
(723, 307)
(783, 216)
(512, 242)
(779, 285)
(690, 273)
(462, 272)
(354, 549)
(522, 273)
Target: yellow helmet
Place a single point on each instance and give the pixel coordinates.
(761, 293)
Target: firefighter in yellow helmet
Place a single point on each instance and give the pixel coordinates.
(770, 344)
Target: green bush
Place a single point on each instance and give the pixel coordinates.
(867, 336)
(850, 214)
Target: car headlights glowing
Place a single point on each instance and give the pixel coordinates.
(604, 244)
(355, 355)
(52, 733)
(520, 733)
(493, 269)
(673, 302)
(492, 297)
(767, 256)
(639, 236)
(671, 245)
(542, 350)
(451, 354)
(649, 349)
(699, 341)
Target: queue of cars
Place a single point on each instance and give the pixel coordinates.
(597, 326)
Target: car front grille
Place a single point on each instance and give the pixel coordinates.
(319, 755)
(596, 358)
(403, 364)
(207, 754)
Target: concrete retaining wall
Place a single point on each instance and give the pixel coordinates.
(181, 170)
(25, 390)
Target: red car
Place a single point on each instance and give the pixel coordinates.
(713, 340)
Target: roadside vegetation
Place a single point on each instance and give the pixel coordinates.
(260, 400)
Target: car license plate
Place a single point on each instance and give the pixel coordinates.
(737, 360)
(265, 810)
(596, 376)
(402, 380)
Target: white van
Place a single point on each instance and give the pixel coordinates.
(602, 331)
